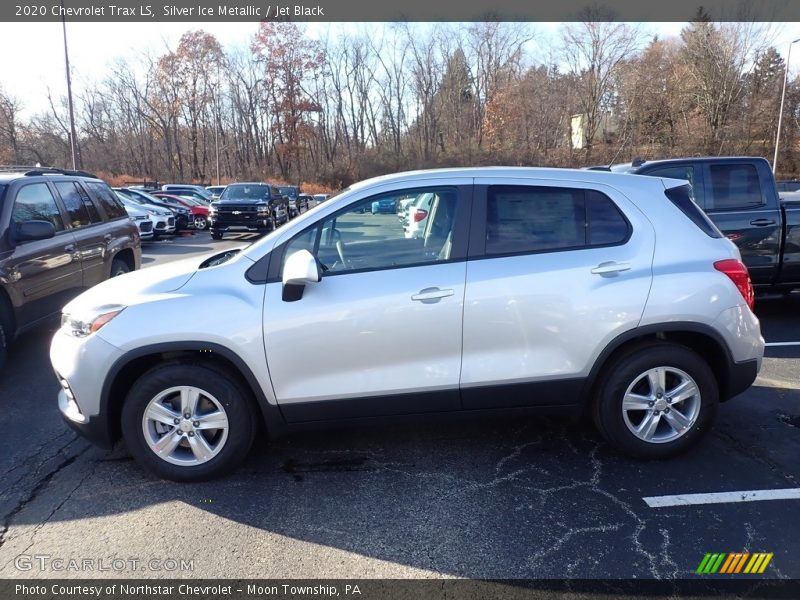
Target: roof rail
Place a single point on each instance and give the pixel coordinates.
(31, 170)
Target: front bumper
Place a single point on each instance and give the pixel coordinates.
(81, 366)
(95, 429)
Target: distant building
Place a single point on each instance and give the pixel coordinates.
(606, 131)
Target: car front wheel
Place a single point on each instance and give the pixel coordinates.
(200, 222)
(188, 422)
(656, 400)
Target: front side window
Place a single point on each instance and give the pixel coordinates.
(35, 202)
(369, 235)
(734, 186)
(527, 219)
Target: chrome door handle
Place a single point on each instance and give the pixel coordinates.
(762, 222)
(69, 248)
(433, 294)
(611, 267)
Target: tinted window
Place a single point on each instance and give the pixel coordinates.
(80, 209)
(246, 192)
(734, 186)
(607, 225)
(110, 203)
(531, 219)
(35, 202)
(679, 196)
(685, 172)
(356, 239)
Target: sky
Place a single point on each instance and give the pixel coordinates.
(93, 47)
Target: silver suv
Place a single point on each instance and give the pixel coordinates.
(527, 290)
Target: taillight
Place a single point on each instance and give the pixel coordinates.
(738, 274)
(419, 215)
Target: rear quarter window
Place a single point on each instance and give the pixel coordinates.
(108, 200)
(681, 197)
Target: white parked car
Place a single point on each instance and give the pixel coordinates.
(138, 215)
(528, 290)
(417, 215)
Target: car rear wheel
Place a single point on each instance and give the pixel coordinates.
(655, 401)
(188, 422)
(216, 235)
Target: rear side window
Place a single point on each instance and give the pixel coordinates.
(80, 209)
(680, 197)
(522, 219)
(35, 202)
(110, 203)
(734, 186)
(606, 224)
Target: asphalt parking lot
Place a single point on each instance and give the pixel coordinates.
(521, 498)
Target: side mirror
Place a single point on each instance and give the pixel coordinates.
(300, 268)
(34, 230)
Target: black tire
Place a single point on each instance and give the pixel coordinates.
(119, 267)
(216, 235)
(234, 399)
(624, 370)
(200, 222)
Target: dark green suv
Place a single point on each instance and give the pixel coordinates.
(61, 232)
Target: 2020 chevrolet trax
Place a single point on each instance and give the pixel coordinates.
(528, 290)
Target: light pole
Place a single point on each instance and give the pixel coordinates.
(783, 97)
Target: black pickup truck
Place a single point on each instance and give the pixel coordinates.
(740, 196)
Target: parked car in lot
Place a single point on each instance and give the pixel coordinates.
(384, 206)
(417, 215)
(788, 185)
(530, 290)
(163, 217)
(297, 203)
(307, 200)
(139, 216)
(195, 191)
(320, 198)
(740, 196)
(248, 207)
(198, 217)
(183, 211)
(61, 232)
(215, 190)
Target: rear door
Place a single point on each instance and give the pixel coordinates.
(87, 227)
(747, 213)
(556, 270)
(381, 332)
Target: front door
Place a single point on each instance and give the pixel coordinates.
(381, 332)
(42, 275)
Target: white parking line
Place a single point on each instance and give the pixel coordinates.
(722, 497)
(783, 344)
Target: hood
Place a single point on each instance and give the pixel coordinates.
(135, 287)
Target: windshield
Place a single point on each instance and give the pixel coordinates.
(246, 192)
(288, 191)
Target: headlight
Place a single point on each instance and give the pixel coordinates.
(84, 324)
(211, 211)
(263, 210)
